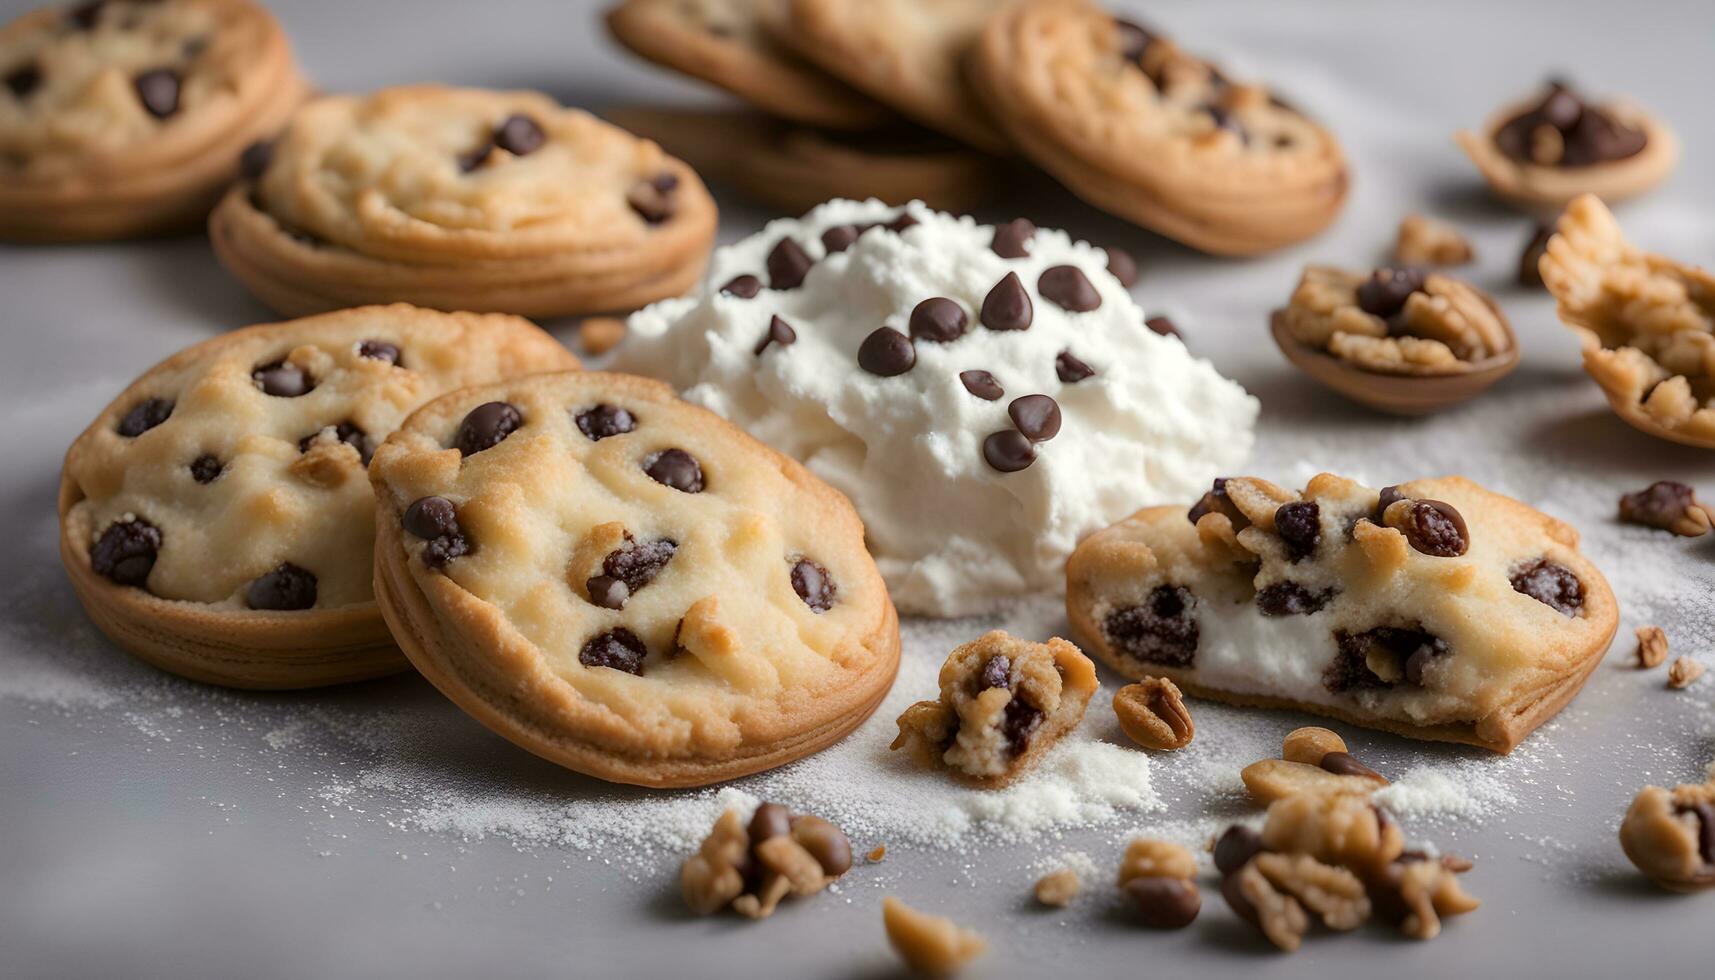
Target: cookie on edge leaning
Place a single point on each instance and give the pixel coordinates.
(681, 604)
(462, 199)
(215, 520)
(126, 118)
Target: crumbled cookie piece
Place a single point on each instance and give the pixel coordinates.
(1426, 241)
(1158, 876)
(1056, 889)
(1396, 321)
(1652, 647)
(1667, 505)
(1417, 893)
(1004, 702)
(600, 334)
(876, 855)
(752, 868)
(1670, 835)
(1683, 673)
(1313, 760)
(1152, 713)
(930, 945)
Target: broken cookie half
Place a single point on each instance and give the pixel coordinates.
(1435, 609)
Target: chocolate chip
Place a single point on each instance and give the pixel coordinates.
(1037, 417)
(1122, 266)
(840, 237)
(473, 158)
(1067, 287)
(1223, 119)
(1529, 261)
(608, 592)
(1018, 723)
(938, 319)
(1235, 847)
(284, 589)
(675, 468)
(379, 350)
(900, 223)
(346, 432)
(1588, 134)
(770, 820)
(1345, 764)
(744, 286)
(519, 135)
(1435, 528)
(1299, 525)
(1012, 240)
(1705, 828)
(887, 352)
(283, 379)
(996, 672)
(1661, 504)
(779, 332)
(23, 80)
(654, 199)
(1598, 137)
(787, 265)
(206, 468)
(126, 551)
(1007, 306)
(435, 519)
(813, 584)
(1162, 630)
(604, 420)
(1290, 599)
(1008, 451)
(145, 415)
(486, 426)
(1411, 647)
(825, 842)
(1384, 293)
(1069, 369)
(254, 161)
(1561, 108)
(1216, 501)
(1163, 326)
(158, 90)
(86, 15)
(628, 569)
(1551, 584)
(1164, 902)
(619, 649)
(1389, 496)
(1135, 39)
(982, 384)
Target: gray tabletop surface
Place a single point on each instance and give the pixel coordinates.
(144, 831)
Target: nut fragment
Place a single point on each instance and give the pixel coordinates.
(1417, 895)
(752, 867)
(929, 944)
(1683, 673)
(1236, 845)
(1165, 903)
(1057, 888)
(600, 334)
(1280, 917)
(1152, 713)
(1652, 647)
(1309, 744)
(1341, 829)
(714, 876)
(1277, 779)
(1670, 835)
(1426, 241)
(875, 856)
(1149, 858)
(1669, 506)
(1332, 893)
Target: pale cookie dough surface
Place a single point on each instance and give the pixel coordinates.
(1382, 617)
(952, 534)
(1646, 321)
(1138, 127)
(761, 633)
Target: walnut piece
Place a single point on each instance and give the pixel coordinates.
(1426, 241)
(1276, 779)
(1341, 829)
(1157, 876)
(1683, 673)
(1396, 321)
(1152, 713)
(1308, 745)
(1280, 916)
(1150, 858)
(929, 944)
(1334, 894)
(752, 868)
(1056, 889)
(599, 334)
(1670, 835)
(1652, 647)
(1417, 894)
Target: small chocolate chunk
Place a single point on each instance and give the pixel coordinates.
(779, 332)
(1070, 370)
(982, 384)
(1164, 902)
(1007, 306)
(431, 517)
(1037, 417)
(1389, 496)
(675, 468)
(85, 16)
(1163, 630)
(1163, 326)
(1067, 287)
(206, 468)
(1235, 847)
(1553, 585)
(1384, 293)
(1134, 39)
(1008, 451)
(608, 592)
(887, 352)
(1577, 134)
(996, 672)
(283, 379)
(770, 820)
(1018, 723)
(628, 569)
(813, 584)
(23, 80)
(1705, 828)
(519, 135)
(475, 157)
(158, 90)
(486, 426)
(1012, 239)
(840, 237)
(1346, 764)
(346, 432)
(1413, 649)
(1435, 528)
(787, 265)
(744, 286)
(900, 223)
(126, 551)
(604, 420)
(145, 415)
(1290, 599)
(655, 200)
(619, 649)
(1530, 260)
(1299, 525)
(255, 159)
(1223, 119)
(938, 319)
(1216, 501)
(284, 589)
(379, 350)
(1122, 266)
(1664, 504)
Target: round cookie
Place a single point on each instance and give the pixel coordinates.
(626, 585)
(795, 168)
(125, 117)
(907, 53)
(1137, 127)
(215, 520)
(462, 199)
(726, 43)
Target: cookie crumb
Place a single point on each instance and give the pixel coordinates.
(930, 945)
(752, 867)
(1056, 889)
(1652, 647)
(875, 856)
(1683, 673)
(599, 334)
(1426, 241)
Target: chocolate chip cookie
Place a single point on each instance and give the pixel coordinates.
(1139, 128)
(126, 117)
(1435, 609)
(215, 519)
(682, 604)
(462, 199)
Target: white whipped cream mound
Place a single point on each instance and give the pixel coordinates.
(952, 535)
